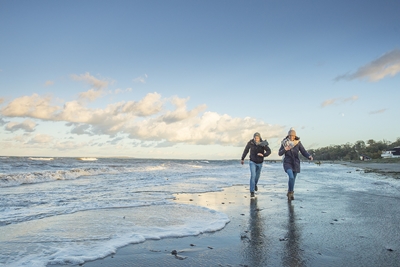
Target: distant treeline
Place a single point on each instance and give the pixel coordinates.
(371, 148)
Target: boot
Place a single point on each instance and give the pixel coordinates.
(292, 196)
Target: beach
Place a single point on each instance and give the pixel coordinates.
(378, 167)
(324, 226)
(134, 212)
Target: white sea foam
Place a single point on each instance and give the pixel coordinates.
(14, 179)
(88, 159)
(79, 237)
(41, 158)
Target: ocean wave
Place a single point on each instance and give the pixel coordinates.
(14, 179)
(195, 166)
(155, 168)
(41, 158)
(88, 159)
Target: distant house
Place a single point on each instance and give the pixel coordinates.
(391, 153)
(363, 157)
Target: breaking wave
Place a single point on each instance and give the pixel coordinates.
(41, 159)
(15, 179)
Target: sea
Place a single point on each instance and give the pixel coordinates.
(72, 210)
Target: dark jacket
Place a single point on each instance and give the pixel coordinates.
(291, 160)
(262, 148)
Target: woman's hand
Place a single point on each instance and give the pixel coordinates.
(287, 148)
(242, 162)
(260, 154)
(311, 158)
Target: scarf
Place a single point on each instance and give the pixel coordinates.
(287, 143)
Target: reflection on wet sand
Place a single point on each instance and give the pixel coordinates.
(256, 245)
(292, 256)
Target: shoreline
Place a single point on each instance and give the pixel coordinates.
(326, 227)
(392, 169)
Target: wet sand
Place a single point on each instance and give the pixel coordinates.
(392, 169)
(322, 227)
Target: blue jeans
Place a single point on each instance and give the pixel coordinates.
(292, 179)
(255, 171)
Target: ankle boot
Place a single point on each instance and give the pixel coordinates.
(292, 195)
(289, 195)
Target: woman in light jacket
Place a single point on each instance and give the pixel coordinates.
(291, 147)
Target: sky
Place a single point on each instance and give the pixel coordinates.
(195, 79)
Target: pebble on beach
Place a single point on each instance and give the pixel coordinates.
(180, 257)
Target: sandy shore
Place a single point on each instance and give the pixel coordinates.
(322, 227)
(384, 168)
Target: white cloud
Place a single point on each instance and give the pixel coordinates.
(180, 113)
(378, 111)
(386, 65)
(41, 139)
(19, 138)
(208, 128)
(338, 101)
(48, 83)
(98, 85)
(89, 79)
(26, 125)
(69, 145)
(91, 94)
(147, 120)
(2, 100)
(149, 105)
(33, 106)
(141, 79)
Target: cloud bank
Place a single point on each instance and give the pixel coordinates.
(166, 121)
(386, 65)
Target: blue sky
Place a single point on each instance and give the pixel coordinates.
(195, 79)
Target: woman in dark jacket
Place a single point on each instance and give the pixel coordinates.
(258, 150)
(291, 147)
